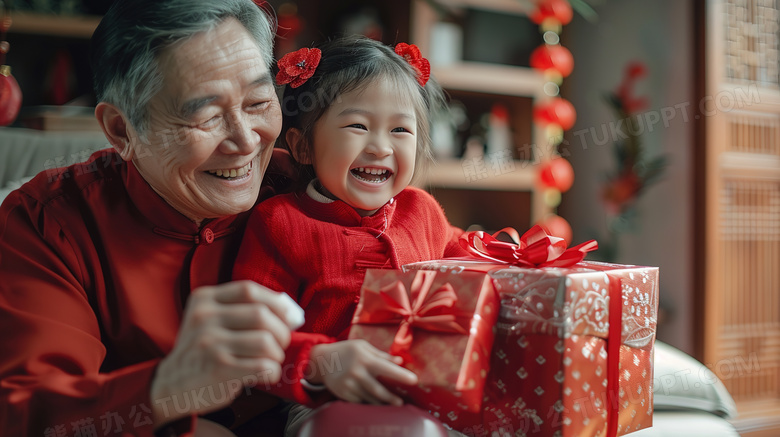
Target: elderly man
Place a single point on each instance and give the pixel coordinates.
(115, 313)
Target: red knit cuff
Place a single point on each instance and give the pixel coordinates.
(300, 393)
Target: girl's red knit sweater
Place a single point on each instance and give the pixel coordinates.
(318, 253)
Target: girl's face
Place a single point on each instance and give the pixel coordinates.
(364, 146)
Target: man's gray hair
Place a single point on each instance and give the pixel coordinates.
(125, 46)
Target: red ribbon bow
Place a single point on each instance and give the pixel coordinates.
(427, 309)
(535, 248)
(412, 55)
(297, 67)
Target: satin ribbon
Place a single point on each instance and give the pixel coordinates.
(432, 310)
(534, 249)
(614, 341)
(613, 353)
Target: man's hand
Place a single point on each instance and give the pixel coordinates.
(232, 335)
(360, 366)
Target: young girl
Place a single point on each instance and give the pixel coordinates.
(356, 113)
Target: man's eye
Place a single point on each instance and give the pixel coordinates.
(211, 122)
(260, 105)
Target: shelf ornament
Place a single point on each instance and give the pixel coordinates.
(10, 93)
(555, 114)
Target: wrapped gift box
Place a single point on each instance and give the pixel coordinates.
(441, 324)
(555, 369)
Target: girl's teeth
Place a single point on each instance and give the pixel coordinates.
(374, 171)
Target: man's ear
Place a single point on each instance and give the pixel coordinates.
(298, 146)
(116, 128)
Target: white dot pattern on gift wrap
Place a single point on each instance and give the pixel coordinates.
(637, 306)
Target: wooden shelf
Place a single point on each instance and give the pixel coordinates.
(54, 25)
(520, 7)
(452, 173)
(491, 78)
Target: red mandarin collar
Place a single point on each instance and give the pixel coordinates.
(165, 218)
(342, 214)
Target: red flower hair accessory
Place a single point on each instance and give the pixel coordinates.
(297, 67)
(412, 55)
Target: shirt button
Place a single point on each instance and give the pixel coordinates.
(207, 236)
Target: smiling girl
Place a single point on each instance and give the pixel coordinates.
(356, 115)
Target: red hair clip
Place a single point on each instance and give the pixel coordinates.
(412, 55)
(297, 67)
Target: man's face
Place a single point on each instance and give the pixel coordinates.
(212, 126)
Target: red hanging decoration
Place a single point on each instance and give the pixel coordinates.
(556, 225)
(10, 96)
(555, 10)
(555, 114)
(556, 111)
(553, 57)
(10, 93)
(557, 173)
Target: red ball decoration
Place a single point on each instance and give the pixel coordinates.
(552, 57)
(557, 174)
(557, 226)
(10, 96)
(560, 10)
(558, 111)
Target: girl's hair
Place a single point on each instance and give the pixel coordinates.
(352, 64)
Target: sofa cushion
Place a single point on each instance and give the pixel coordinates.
(683, 383)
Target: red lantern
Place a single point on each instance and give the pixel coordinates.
(557, 226)
(10, 96)
(558, 111)
(559, 10)
(552, 57)
(558, 174)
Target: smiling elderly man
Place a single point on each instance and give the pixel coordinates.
(115, 314)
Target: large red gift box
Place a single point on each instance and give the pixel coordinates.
(441, 324)
(555, 368)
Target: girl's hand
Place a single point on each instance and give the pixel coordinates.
(350, 368)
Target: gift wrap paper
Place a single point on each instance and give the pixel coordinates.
(549, 366)
(452, 367)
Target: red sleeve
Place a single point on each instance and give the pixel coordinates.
(261, 258)
(453, 248)
(51, 381)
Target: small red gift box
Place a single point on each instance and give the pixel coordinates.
(555, 368)
(441, 324)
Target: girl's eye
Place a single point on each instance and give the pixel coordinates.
(401, 129)
(358, 126)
